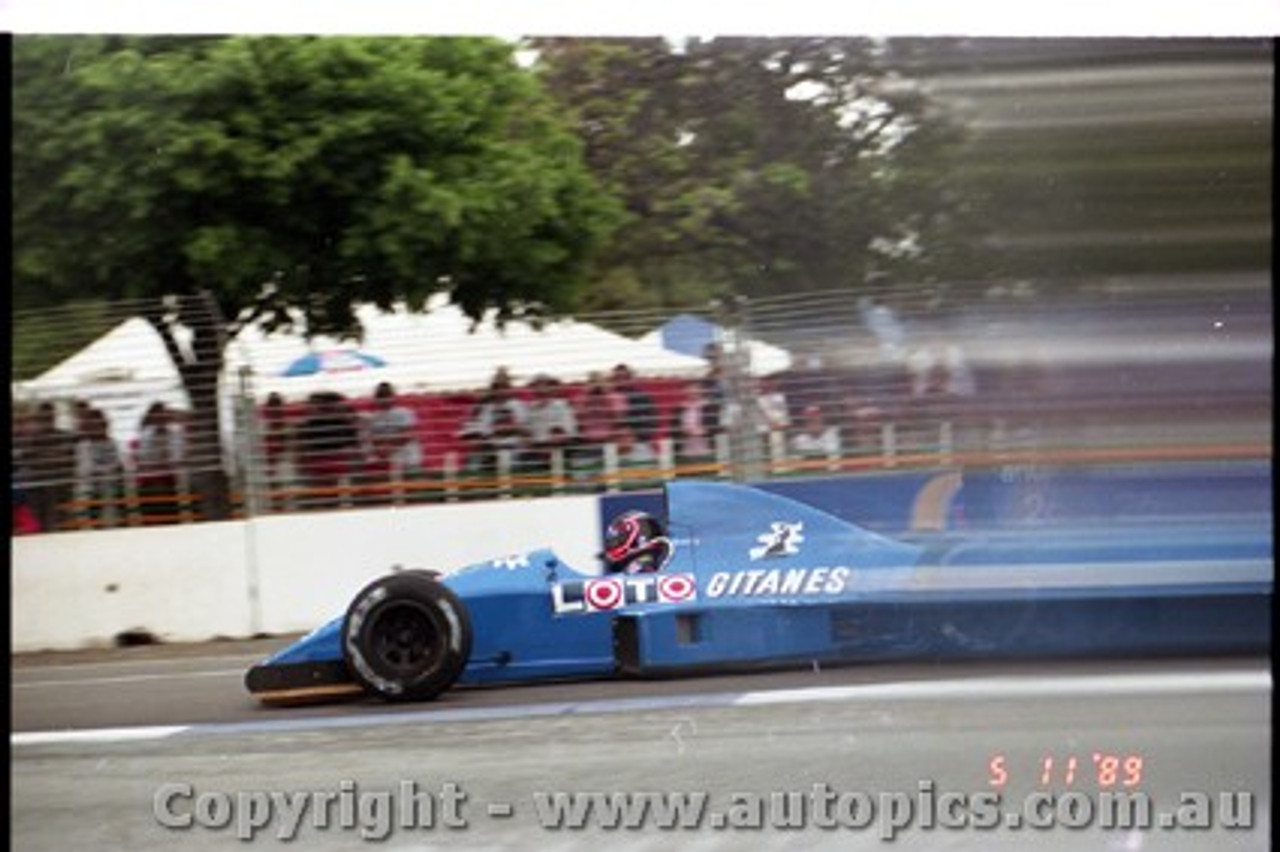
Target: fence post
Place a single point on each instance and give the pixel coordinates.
(724, 454)
(449, 470)
(557, 470)
(889, 444)
(252, 470)
(130, 508)
(667, 457)
(505, 458)
(744, 449)
(397, 483)
(778, 452)
(610, 471)
(186, 512)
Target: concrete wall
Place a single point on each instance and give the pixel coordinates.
(79, 589)
(277, 574)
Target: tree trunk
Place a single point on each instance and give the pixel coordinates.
(205, 451)
(200, 368)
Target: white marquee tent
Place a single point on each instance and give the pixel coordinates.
(441, 351)
(127, 368)
(122, 373)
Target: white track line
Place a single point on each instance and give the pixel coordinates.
(1193, 683)
(96, 735)
(138, 678)
(1010, 687)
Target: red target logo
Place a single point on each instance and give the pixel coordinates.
(676, 588)
(604, 594)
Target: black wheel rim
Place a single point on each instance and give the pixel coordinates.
(404, 638)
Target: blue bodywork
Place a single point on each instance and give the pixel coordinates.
(759, 578)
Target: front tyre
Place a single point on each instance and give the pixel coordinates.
(406, 637)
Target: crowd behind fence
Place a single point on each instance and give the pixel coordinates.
(889, 384)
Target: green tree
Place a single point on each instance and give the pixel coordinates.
(761, 166)
(243, 178)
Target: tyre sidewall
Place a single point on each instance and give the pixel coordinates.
(448, 619)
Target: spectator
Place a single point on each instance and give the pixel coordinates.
(690, 426)
(940, 369)
(98, 467)
(941, 382)
(552, 425)
(156, 459)
(929, 402)
(775, 415)
(770, 413)
(24, 520)
(600, 411)
(815, 437)
(49, 460)
(22, 427)
(639, 412)
(497, 424)
(277, 443)
(865, 421)
(81, 413)
(808, 383)
(394, 449)
(328, 443)
(752, 420)
(633, 453)
(774, 418)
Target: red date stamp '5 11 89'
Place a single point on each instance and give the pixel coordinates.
(1097, 770)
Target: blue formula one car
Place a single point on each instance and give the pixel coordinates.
(740, 576)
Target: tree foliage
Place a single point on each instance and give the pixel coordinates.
(246, 177)
(761, 166)
(336, 169)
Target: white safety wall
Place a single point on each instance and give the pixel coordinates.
(274, 575)
(82, 589)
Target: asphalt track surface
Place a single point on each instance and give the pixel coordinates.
(106, 746)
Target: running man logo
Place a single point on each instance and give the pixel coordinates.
(577, 596)
(782, 540)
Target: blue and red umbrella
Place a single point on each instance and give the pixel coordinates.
(333, 361)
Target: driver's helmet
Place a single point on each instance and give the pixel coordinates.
(635, 543)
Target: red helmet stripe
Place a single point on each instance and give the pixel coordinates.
(633, 532)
